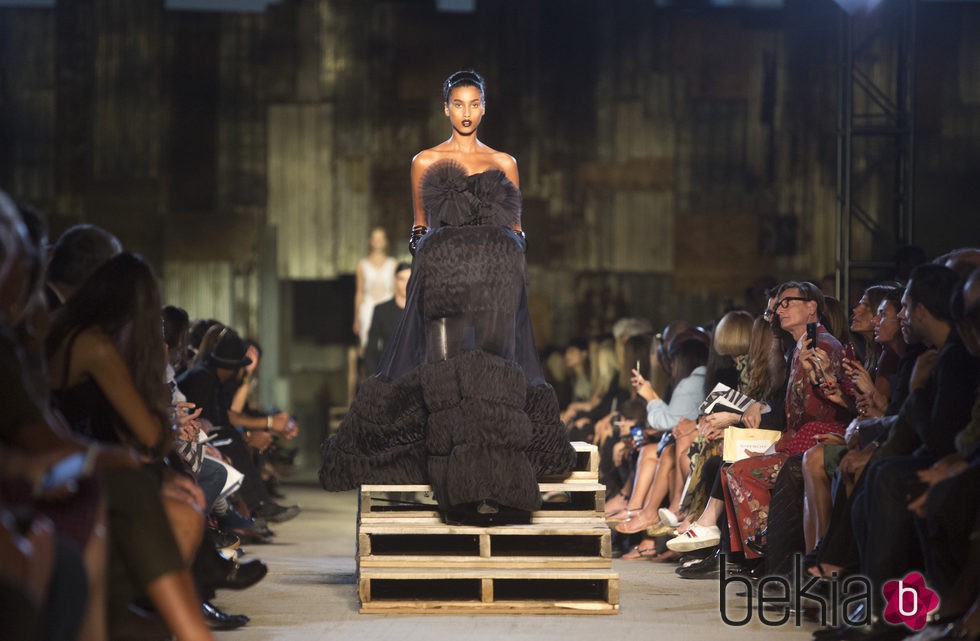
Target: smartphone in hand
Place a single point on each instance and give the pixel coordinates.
(639, 438)
(66, 472)
(811, 335)
(847, 384)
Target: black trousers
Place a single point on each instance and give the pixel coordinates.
(952, 513)
(884, 527)
(253, 491)
(785, 530)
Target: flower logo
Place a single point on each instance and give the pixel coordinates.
(909, 601)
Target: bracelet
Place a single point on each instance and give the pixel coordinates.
(418, 231)
(268, 422)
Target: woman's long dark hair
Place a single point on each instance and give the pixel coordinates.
(122, 299)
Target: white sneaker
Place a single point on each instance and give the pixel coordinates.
(668, 518)
(696, 538)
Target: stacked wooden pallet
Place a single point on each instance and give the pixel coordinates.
(560, 561)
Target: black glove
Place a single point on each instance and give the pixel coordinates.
(417, 232)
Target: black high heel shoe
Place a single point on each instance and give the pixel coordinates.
(758, 543)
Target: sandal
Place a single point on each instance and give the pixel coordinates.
(633, 525)
(620, 517)
(666, 557)
(636, 552)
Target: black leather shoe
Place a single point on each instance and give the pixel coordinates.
(218, 620)
(276, 513)
(707, 568)
(223, 540)
(254, 536)
(241, 575)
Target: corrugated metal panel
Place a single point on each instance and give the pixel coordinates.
(204, 289)
(241, 115)
(127, 115)
(317, 202)
(27, 49)
(301, 186)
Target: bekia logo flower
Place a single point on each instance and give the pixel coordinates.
(909, 601)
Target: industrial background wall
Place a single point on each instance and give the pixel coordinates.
(669, 158)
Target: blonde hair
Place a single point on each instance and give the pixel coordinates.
(733, 333)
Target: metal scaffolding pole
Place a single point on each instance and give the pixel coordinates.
(875, 139)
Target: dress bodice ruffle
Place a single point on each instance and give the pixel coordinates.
(453, 197)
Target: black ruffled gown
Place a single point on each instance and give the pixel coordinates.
(459, 400)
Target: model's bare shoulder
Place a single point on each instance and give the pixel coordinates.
(504, 160)
(424, 158)
(508, 165)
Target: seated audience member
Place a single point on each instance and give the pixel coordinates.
(106, 362)
(820, 462)
(76, 254)
(943, 388)
(577, 369)
(210, 570)
(41, 562)
(949, 513)
(206, 385)
(866, 349)
(767, 383)
(654, 473)
(813, 407)
(265, 444)
(609, 381)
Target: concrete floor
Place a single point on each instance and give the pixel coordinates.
(310, 595)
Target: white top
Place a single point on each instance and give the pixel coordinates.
(684, 402)
(379, 286)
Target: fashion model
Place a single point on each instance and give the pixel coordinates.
(459, 400)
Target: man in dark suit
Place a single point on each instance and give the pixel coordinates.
(385, 319)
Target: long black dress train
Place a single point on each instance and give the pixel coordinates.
(459, 400)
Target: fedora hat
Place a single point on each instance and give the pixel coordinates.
(229, 351)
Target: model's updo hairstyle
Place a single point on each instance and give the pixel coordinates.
(465, 78)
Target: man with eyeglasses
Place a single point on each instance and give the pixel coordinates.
(810, 411)
(797, 304)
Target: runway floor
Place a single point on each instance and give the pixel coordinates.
(310, 595)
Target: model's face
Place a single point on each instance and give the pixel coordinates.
(401, 282)
(862, 317)
(885, 323)
(465, 109)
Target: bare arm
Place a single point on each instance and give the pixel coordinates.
(509, 166)
(420, 164)
(95, 355)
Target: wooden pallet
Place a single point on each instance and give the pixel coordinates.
(453, 591)
(559, 562)
(554, 545)
(587, 499)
